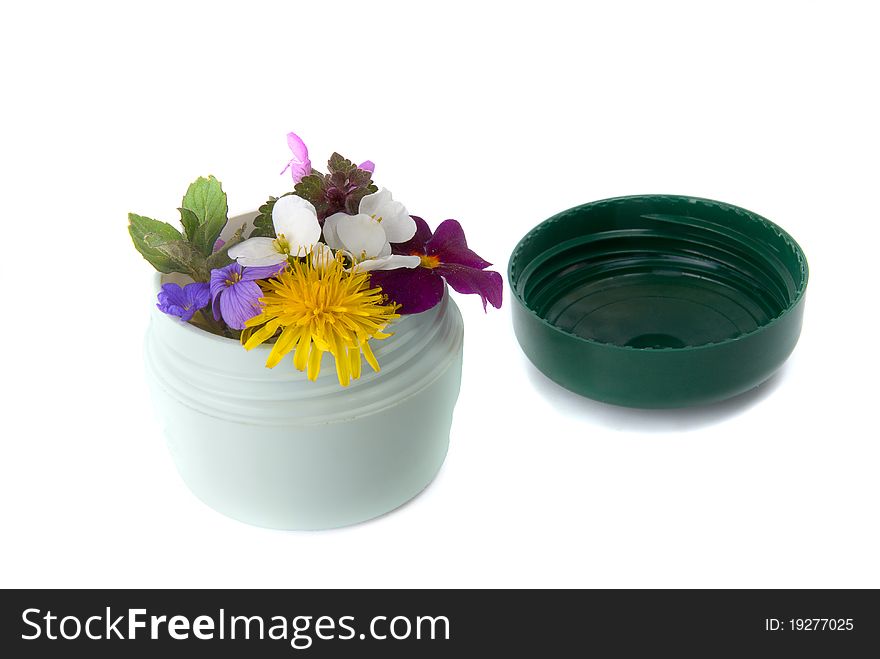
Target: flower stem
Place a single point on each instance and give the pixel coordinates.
(215, 326)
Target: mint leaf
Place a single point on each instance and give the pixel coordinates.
(190, 222)
(143, 226)
(147, 234)
(192, 262)
(165, 247)
(207, 201)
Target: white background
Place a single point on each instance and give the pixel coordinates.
(498, 114)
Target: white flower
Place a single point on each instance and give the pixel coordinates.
(322, 256)
(390, 262)
(297, 230)
(367, 236)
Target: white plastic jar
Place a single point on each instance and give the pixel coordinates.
(270, 448)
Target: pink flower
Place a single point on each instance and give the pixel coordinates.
(299, 165)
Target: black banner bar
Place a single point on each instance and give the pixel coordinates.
(437, 623)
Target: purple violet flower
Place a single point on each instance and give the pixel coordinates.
(235, 294)
(299, 165)
(368, 166)
(445, 256)
(183, 302)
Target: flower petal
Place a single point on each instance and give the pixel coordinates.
(331, 236)
(297, 220)
(389, 263)
(197, 295)
(322, 256)
(416, 244)
(485, 283)
(371, 204)
(297, 171)
(395, 220)
(262, 272)
(368, 166)
(255, 252)
(399, 228)
(239, 303)
(314, 366)
(449, 244)
(416, 289)
(172, 300)
(170, 295)
(299, 165)
(285, 343)
(219, 279)
(298, 148)
(361, 235)
(215, 308)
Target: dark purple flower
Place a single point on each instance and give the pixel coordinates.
(445, 255)
(183, 302)
(235, 294)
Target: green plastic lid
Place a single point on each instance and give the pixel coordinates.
(658, 300)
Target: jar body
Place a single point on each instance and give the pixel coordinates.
(268, 447)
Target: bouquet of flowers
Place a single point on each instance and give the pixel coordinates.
(326, 267)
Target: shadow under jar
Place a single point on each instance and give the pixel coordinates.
(658, 300)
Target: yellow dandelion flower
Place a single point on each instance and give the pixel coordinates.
(318, 310)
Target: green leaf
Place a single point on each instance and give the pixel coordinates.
(147, 234)
(311, 188)
(353, 199)
(338, 164)
(360, 178)
(165, 247)
(207, 201)
(192, 261)
(263, 227)
(340, 190)
(336, 180)
(190, 222)
(146, 225)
